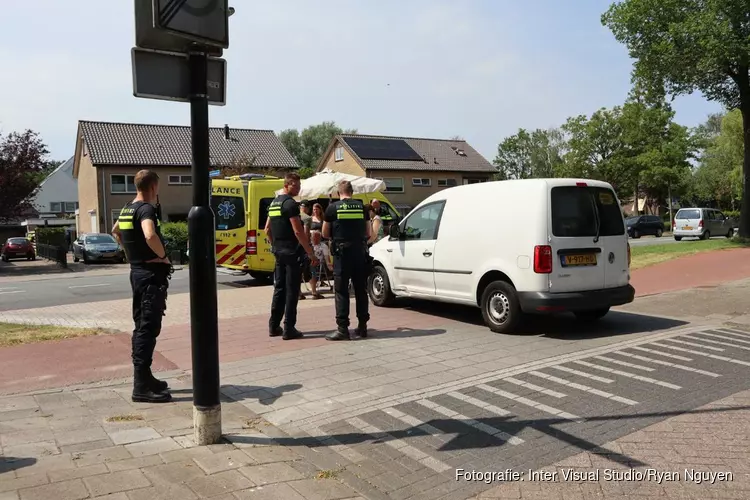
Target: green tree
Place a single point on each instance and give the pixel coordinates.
(525, 155)
(683, 46)
(309, 145)
(22, 163)
(718, 179)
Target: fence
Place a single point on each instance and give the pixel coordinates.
(53, 252)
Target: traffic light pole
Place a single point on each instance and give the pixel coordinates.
(204, 327)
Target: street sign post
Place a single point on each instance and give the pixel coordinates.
(166, 76)
(176, 38)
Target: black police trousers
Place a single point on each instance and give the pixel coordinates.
(287, 279)
(351, 264)
(149, 283)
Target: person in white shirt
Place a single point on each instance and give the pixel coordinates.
(324, 257)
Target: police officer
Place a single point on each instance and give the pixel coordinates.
(138, 231)
(347, 224)
(291, 248)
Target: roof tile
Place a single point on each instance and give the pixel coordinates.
(440, 156)
(169, 145)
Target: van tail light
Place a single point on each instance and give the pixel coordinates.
(251, 245)
(700, 224)
(581, 184)
(674, 223)
(628, 254)
(543, 259)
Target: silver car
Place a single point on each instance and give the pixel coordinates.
(702, 223)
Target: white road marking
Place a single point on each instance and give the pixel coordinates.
(400, 445)
(535, 388)
(728, 344)
(724, 337)
(628, 375)
(13, 291)
(667, 363)
(481, 426)
(583, 374)
(685, 342)
(89, 286)
(478, 402)
(735, 333)
(584, 388)
(529, 402)
(624, 363)
(714, 356)
(665, 354)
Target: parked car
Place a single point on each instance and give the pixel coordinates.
(97, 247)
(17, 248)
(467, 245)
(702, 223)
(642, 225)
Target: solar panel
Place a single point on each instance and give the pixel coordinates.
(382, 149)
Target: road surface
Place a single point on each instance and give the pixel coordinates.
(64, 289)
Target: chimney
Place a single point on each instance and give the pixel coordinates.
(226, 132)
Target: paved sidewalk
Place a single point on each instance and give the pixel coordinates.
(94, 443)
(701, 454)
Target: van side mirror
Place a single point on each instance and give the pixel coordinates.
(394, 232)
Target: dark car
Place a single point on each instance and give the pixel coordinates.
(18, 248)
(644, 225)
(97, 247)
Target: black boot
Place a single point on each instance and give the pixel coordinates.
(143, 390)
(156, 384)
(361, 330)
(275, 331)
(342, 333)
(292, 334)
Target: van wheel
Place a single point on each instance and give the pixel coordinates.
(659, 233)
(592, 315)
(706, 235)
(379, 287)
(500, 308)
(678, 238)
(636, 234)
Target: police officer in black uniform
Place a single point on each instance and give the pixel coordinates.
(292, 250)
(138, 231)
(347, 223)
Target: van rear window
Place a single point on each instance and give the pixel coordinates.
(229, 212)
(575, 211)
(688, 214)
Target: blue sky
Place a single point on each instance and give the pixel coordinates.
(421, 68)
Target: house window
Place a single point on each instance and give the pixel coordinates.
(339, 153)
(67, 207)
(122, 183)
(421, 182)
(70, 207)
(181, 180)
(55, 207)
(446, 182)
(392, 184)
(474, 181)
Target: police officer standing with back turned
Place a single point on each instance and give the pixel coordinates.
(347, 223)
(291, 249)
(138, 231)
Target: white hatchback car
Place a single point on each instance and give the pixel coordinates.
(510, 247)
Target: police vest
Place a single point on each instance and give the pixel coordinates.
(349, 226)
(282, 232)
(133, 240)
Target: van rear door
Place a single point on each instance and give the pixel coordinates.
(586, 227)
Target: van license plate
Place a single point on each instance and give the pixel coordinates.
(579, 260)
(688, 228)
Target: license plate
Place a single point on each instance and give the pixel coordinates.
(688, 228)
(579, 260)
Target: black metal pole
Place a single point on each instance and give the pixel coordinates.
(204, 327)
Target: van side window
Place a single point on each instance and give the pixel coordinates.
(263, 211)
(423, 223)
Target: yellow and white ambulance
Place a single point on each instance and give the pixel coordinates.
(240, 206)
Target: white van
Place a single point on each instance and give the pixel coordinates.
(510, 247)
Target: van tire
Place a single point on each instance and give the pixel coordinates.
(678, 238)
(379, 287)
(592, 315)
(706, 235)
(636, 234)
(659, 232)
(502, 294)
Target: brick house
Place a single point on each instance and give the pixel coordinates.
(412, 168)
(108, 155)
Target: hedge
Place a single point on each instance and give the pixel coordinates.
(51, 236)
(175, 236)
